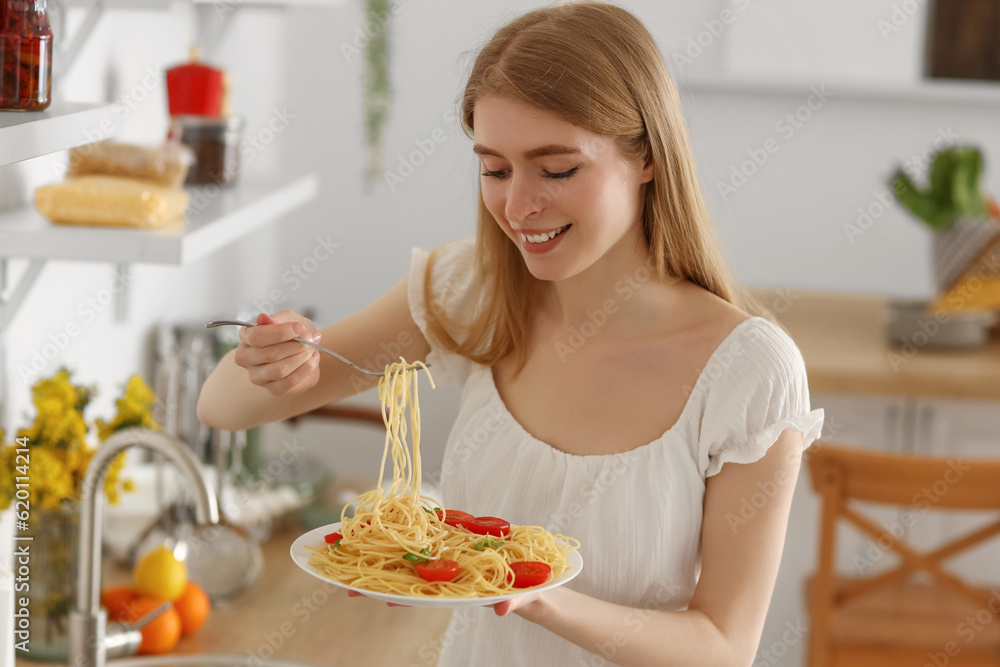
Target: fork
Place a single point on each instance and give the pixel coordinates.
(240, 323)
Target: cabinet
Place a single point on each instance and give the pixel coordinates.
(968, 429)
(872, 422)
(959, 430)
(879, 423)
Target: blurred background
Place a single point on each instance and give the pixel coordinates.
(800, 114)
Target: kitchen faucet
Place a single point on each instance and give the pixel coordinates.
(90, 642)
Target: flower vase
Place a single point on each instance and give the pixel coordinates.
(54, 538)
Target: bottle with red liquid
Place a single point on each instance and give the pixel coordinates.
(25, 56)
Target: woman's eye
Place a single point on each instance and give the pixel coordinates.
(502, 174)
(562, 174)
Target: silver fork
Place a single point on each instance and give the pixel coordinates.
(240, 323)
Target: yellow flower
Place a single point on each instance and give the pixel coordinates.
(50, 481)
(6, 472)
(134, 409)
(111, 481)
(59, 453)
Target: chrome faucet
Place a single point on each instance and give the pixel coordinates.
(90, 641)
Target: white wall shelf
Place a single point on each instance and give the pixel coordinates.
(24, 135)
(211, 224)
(928, 90)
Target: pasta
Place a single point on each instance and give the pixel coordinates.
(390, 530)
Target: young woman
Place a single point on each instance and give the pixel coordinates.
(610, 366)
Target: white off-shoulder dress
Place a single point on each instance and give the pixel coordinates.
(637, 514)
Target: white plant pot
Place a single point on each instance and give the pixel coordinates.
(959, 246)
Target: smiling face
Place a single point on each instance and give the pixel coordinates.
(565, 196)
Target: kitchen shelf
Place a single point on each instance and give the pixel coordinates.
(211, 224)
(940, 91)
(24, 135)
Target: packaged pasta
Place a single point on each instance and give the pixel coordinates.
(164, 165)
(111, 201)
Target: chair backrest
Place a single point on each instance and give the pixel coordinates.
(840, 473)
(355, 413)
(906, 480)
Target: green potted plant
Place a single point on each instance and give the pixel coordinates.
(965, 224)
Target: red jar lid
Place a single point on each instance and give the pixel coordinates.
(195, 90)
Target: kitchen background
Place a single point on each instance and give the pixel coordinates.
(793, 222)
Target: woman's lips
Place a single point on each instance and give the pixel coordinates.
(540, 242)
(541, 237)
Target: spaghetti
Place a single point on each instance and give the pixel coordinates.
(392, 530)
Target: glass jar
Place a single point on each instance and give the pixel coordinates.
(51, 593)
(215, 143)
(25, 56)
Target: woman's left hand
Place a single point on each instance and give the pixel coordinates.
(523, 603)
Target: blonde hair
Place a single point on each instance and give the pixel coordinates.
(596, 66)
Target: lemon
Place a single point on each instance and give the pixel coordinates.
(159, 573)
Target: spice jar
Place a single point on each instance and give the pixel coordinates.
(215, 142)
(25, 56)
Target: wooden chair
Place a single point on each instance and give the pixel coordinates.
(355, 413)
(887, 620)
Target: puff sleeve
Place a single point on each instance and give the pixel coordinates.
(764, 392)
(452, 278)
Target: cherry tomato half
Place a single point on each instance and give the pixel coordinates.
(437, 570)
(530, 573)
(487, 525)
(453, 517)
(333, 537)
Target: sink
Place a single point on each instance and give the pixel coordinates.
(208, 660)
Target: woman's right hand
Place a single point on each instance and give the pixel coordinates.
(273, 360)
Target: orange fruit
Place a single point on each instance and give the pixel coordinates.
(192, 606)
(118, 601)
(161, 634)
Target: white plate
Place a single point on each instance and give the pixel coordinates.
(314, 538)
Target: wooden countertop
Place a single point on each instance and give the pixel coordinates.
(321, 625)
(300, 618)
(843, 341)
